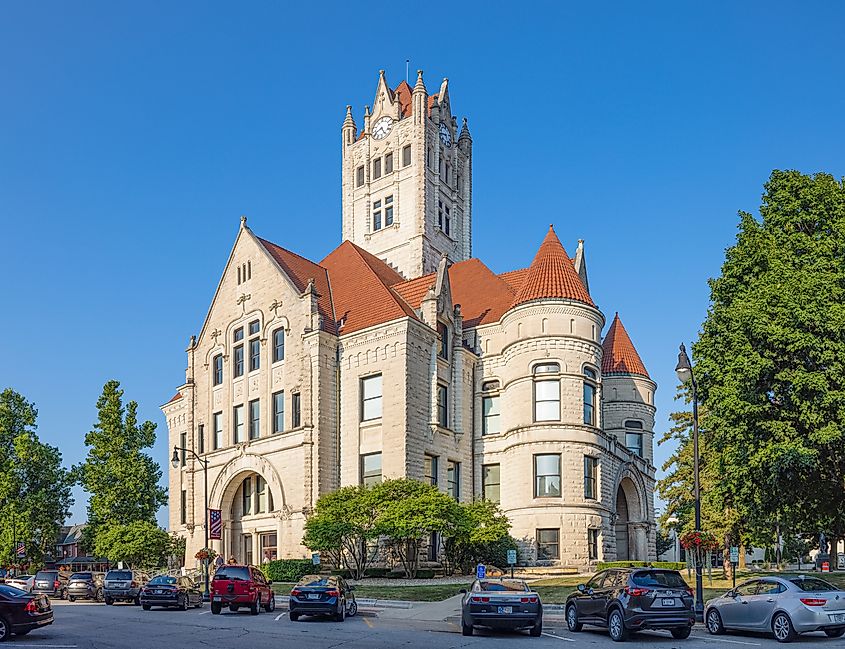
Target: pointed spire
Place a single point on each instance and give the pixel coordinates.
(349, 120)
(581, 264)
(620, 356)
(465, 131)
(420, 86)
(552, 275)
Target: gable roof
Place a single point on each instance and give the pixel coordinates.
(403, 94)
(300, 270)
(552, 275)
(619, 355)
(361, 291)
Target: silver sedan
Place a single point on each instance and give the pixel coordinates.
(784, 606)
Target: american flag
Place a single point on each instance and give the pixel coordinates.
(215, 524)
(20, 549)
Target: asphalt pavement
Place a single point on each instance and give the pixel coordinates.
(97, 626)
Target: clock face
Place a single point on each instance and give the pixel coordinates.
(445, 135)
(382, 127)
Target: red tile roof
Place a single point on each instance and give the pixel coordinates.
(619, 355)
(301, 270)
(514, 278)
(403, 94)
(361, 289)
(552, 275)
(175, 397)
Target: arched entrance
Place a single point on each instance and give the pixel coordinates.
(629, 516)
(622, 520)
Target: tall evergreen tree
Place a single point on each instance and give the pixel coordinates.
(121, 480)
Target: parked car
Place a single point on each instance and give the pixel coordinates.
(784, 606)
(236, 586)
(122, 586)
(22, 612)
(4, 573)
(51, 583)
(170, 592)
(633, 599)
(501, 604)
(85, 585)
(24, 582)
(320, 595)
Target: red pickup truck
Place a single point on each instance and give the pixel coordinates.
(236, 586)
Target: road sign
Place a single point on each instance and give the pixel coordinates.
(825, 566)
(734, 554)
(20, 549)
(315, 558)
(511, 557)
(480, 571)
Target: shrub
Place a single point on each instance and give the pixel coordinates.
(663, 565)
(288, 569)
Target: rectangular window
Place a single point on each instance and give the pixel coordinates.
(376, 216)
(238, 335)
(593, 545)
(183, 509)
(430, 159)
(490, 421)
(440, 214)
(370, 469)
(278, 412)
(548, 544)
(248, 549)
(269, 547)
(388, 211)
(442, 405)
(591, 470)
(246, 496)
(388, 163)
(359, 176)
(453, 479)
(589, 404)
(295, 410)
(448, 220)
(547, 476)
(201, 439)
(430, 469)
(547, 400)
(371, 397)
(183, 443)
(254, 419)
(406, 155)
(254, 354)
(443, 332)
(376, 168)
(278, 345)
(490, 482)
(239, 360)
(238, 424)
(634, 442)
(433, 546)
(218, 429)
(218, 369)
(260, 495)
(253, 327)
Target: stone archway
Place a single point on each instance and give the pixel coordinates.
(623, 546)
(628, 524)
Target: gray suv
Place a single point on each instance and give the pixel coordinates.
(122, 586)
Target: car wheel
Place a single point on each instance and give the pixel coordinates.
(834, 633)
(714, 622)
(572, 619)
(109, 601)
(537, 629)
(353, 610)
(146, 607)
(616, 626)
(233, 608)
(782, 628)
(98, 595)
(215, 608)
(271, 603)
(681, 633)
(71, 598)
(4, 629)
(466, 629)
(137, 600)
(293, 616)
(255, 607)
(200, 602)
(340, 616)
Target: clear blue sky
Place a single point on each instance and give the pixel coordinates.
(134, 135)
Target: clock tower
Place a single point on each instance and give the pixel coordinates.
(407, 179)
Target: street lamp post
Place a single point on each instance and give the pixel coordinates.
(174, 462)
(685, 374)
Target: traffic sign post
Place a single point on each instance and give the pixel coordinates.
(734, 562)
(511, 560)
(480, 571)
(315, 558)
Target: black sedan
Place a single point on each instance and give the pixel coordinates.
(170, 592)
(318, 595)
(21, 612)
(501, 604)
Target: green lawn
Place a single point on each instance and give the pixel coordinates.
(428, 593)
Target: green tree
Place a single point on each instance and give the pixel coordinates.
(139, 544)
(770, 361)
(121, 480)
(35, 490)
(480, 534)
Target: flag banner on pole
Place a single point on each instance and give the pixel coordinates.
(20, 549)
(215, 524)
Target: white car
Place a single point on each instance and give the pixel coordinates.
(24, 582)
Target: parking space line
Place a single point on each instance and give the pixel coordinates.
(720, 640)
(279, 617)
(205, 612)
(558, 637)
(368, 623)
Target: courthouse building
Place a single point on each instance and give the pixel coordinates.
(401, 355)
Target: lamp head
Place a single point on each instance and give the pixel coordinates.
(174, 461)
(683, 369)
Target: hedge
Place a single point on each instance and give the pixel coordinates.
(289, 569)
(663, 565)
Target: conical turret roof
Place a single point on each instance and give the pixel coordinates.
(619, 355)
(552, 275)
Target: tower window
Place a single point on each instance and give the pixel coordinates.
(388, 210)
(591, 469)
(634, 440)
(430, 159)
(406, 155)
(448, 220)
(547, 476)
(359, 176)
(490, 415)
(490, 482)
(296, 415)
(388, 163)
(442, 167)
(589, 397)
(376, 168)
(547, 393)
(442, 405)
(370, 469)
(443, 330)
(376, 216)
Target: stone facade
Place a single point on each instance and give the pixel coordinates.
(412, 361)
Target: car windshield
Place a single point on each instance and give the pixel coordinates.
(313, 581)
(80, 576)
(509, 585)
(46, 574)
(656, 578)
(162, 580)
(119, 574)
(813, 585)
(11, 591)
(235, 573)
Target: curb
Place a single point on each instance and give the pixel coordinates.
(363, 602)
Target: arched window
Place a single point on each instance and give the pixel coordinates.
(589, 397)
(546, 392)
(256, 497)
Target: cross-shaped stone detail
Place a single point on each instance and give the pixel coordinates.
(275, 306)
(216, 334)
(242, 300)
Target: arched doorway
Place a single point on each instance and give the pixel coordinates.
(622, 519)
(254, 530)
(630, 544)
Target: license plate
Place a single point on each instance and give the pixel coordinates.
(217, 598)
(158, 592)
(838, 617)
(504, 610)
(313, 595)
(668, 601)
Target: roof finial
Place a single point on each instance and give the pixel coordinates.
(552, 227)
(243, 221)
(420, 86)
